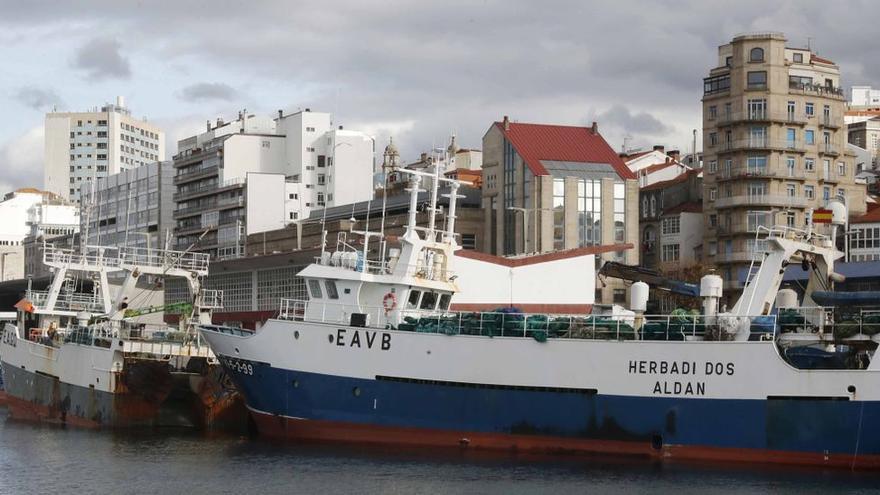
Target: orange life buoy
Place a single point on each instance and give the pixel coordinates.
(389, 302)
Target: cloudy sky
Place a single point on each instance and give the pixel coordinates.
(416, 70)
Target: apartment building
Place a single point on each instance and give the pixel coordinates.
(864, 96)
(774, 146)
(259, 173)
(866, 134)
(83, 146)
(131, 208)
(552, 187)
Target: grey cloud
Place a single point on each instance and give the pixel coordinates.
(635, 123)
(37, 98)
(458, 65)
(209, 91)
(100, 58)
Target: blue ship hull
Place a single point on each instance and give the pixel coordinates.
(828, 431)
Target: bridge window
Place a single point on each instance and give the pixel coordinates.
(444, 301)
(413, 301)
(429, 300)
(332, 293)
(315, 289)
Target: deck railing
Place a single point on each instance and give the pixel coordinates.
(516, 324)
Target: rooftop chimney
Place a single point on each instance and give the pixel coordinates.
(280, 114)
(506, 122)
(595, 128)
(674, 154)
(659, 147)
(120, 101)
(208, 122)
(308, 109)
(340, 128)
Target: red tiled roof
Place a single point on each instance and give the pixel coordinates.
(873, 216)
(541, 258)
(690, 207)
(536, 142)
(629, 158)
(666, 183)
(816, 58)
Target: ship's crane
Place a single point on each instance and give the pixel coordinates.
(652, 278)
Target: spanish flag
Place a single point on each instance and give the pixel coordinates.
(822, 216)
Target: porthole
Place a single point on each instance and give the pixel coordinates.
(356, 391)
(330, 338)
(296, 334)
(851, 389)
(296, 384)
(236, 350)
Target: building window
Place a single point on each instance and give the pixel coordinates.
(826, 193)
(322, 179)
(469, 241)
(322, 161)
(671, 226)
(756, 55)
(310, 149)
(757, 80)
(810, 136)
(653, 206)
(670, 252)
(321, 199)
(712, 193)
(713, 112)
(791, 190)
(809, 192)
(809, 164)
(559, 213)
(713, 220)
(808, 109)
(645, 206)
(713, 166)
(798, 58)
(713, 139)
(757, 164)
(841, 169)
(758, 219)
(293, 196)
(790, 165)
(590, 211)
(619, 212)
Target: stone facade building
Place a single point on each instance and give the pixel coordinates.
(551, 187)
(774, 144)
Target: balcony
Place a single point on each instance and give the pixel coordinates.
(195, 175)
(828, 122)
(829, 177)
(190, 192)
(746, 173)
(764, 116)
(829, 149)
(192, 210)
(761, 200)
(762, 144)
(795, 87)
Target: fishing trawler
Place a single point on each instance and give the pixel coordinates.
(86, 359)
(376, 355)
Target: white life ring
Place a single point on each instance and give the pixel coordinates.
(389, 302)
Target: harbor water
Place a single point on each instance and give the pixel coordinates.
(47, 459)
